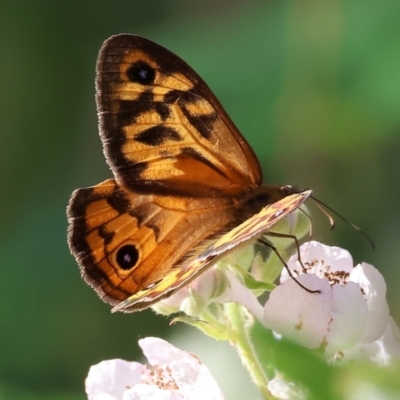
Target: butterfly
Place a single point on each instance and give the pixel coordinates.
(187, 186)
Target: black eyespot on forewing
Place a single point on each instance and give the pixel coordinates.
(127, 257)
(141, 72)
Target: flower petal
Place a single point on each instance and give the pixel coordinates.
(374, 289)
(349, 316)
(150, 392)
(239, 293)
(281, 389)
(111, 378)
(159, 352)
(298, 314)
(318, 258)
(382, 351)
(192, 378)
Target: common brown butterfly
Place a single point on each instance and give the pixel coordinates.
(187, 187)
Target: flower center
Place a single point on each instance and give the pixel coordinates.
(161, 377)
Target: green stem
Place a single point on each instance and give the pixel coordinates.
(241, 335)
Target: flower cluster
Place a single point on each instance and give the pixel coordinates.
(327, 303)
(322, 302)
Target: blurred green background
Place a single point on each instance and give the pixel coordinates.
(313, 85)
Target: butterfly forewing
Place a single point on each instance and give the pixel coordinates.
(163, 130)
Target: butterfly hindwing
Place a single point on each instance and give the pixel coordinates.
(246, 231)
(125, 242)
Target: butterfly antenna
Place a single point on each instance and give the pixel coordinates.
(329, 216)
(322, 207)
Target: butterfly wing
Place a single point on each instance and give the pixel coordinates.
(184, 176)
(248, 230)
(163, 130)
(125, 242)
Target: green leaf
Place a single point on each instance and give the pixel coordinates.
(302, 366)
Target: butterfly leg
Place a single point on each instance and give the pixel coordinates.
(275, 250)
(294, 238)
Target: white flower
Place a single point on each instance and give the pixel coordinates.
(282, 389)
(350, 308)
(172, 374)
(381, 351)
(194, 298)
(215, 285)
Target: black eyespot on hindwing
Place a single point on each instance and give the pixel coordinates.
(127, 257)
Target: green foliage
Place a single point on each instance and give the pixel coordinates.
(314, 87)
(309, 370)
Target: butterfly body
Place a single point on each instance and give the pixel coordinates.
(185, 180)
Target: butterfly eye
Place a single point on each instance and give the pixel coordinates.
(141, 72)
(127, 256)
